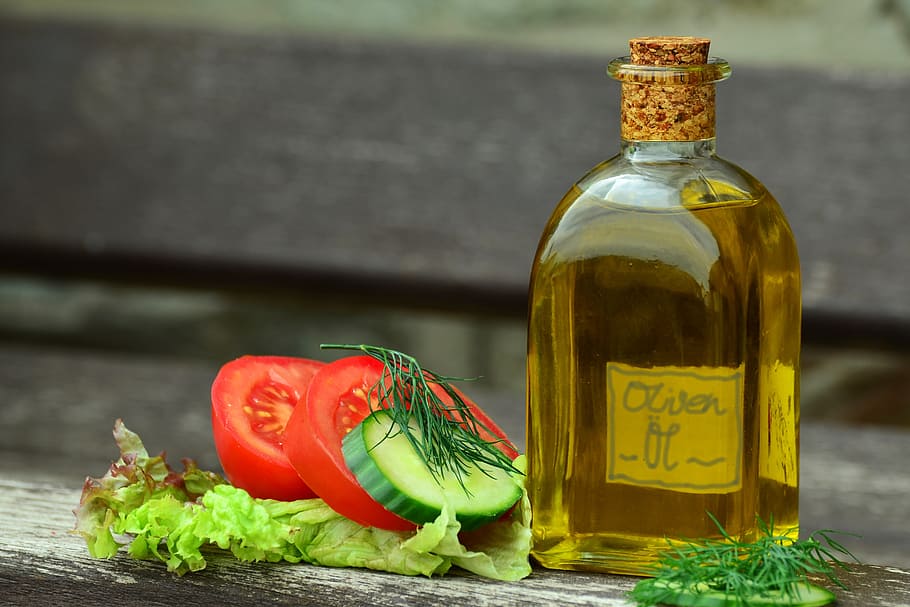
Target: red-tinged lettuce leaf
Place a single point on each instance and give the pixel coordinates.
(132, 480)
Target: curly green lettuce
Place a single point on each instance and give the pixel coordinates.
(158, 513)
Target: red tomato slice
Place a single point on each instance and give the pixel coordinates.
(252, 399)
(338, 400)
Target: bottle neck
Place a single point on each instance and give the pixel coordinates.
(664, 151)
(668, 112)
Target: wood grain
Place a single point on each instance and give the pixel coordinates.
(57, 408)
(42, 563)
(406, 173)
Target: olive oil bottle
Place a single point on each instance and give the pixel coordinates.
(663, 338)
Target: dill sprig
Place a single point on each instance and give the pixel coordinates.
(448, 438)
(774, 564)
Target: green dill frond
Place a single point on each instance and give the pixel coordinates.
(449, 439)
(772, 565)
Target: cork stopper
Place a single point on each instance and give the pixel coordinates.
(676, 106)
(669, 50)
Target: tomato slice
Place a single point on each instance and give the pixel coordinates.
(338, 400)
(252, 399)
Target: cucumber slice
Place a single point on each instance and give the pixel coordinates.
(807, 595)
(390, 470)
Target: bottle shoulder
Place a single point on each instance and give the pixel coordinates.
(689, 211)
(681, 182)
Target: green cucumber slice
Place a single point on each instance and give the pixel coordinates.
(390, 470)
(807, 595)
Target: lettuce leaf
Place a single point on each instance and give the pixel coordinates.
(132, 480)
(157, 513)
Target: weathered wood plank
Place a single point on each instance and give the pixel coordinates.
(394, 171)
(40, 561)
(57, 409)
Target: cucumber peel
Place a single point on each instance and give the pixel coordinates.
(803, 595)
(389, 468)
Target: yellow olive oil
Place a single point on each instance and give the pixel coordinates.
(686, 302)
(663, 351)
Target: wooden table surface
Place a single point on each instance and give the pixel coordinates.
(40, 563)
(58, 408)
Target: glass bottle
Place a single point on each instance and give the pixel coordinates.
(663, 337)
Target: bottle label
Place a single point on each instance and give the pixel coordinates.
(676, 428)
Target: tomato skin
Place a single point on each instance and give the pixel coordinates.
(313, 440)
(253, 459)
(335, 403)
